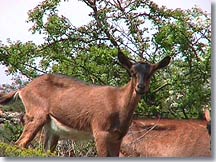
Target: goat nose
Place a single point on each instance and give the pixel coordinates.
(141, 86)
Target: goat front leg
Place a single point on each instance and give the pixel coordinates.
(114, 147)
(102, 145)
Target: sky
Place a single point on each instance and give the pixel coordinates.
(13, 16)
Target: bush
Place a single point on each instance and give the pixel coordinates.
(7, 150)
(10, 132)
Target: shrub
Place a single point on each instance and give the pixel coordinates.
(7, 150)
(10, 132)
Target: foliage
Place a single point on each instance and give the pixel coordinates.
(7, 150)
(10, 132)
(139, 28)
(143, 30)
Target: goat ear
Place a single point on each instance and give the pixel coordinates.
(207, 115)
(124, 60)
(163, 63)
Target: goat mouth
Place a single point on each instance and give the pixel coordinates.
(140, 91)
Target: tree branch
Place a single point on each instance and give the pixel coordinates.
(161, 87)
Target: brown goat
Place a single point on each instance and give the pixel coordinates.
(167, 138)
(72, 109)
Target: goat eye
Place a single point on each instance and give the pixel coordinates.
(133, 73)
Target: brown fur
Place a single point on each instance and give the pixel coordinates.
(167, 138)
(103, 111)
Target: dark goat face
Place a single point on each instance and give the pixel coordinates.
(142, 72)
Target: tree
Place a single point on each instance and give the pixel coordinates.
(140, 29)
